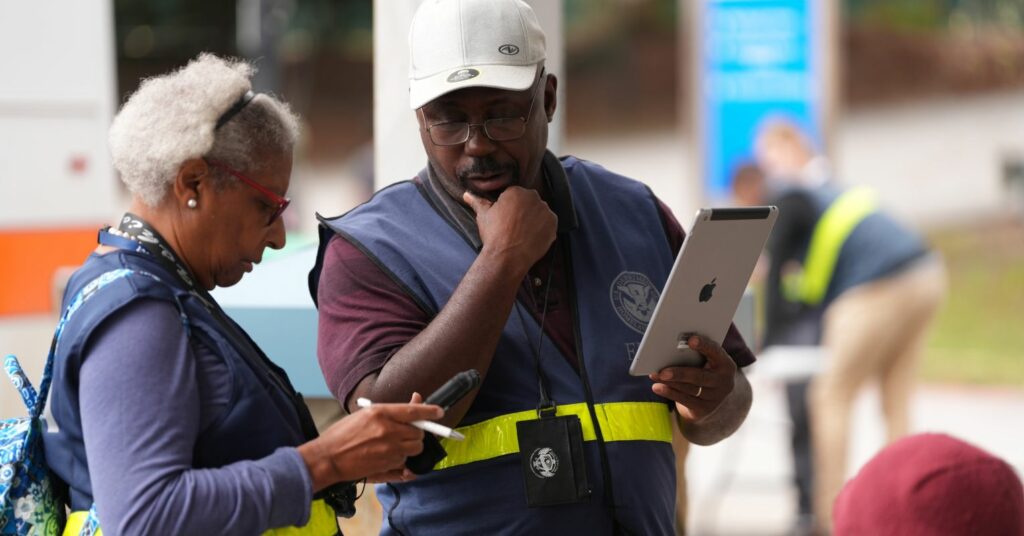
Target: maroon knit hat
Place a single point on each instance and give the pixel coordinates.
(931, 484)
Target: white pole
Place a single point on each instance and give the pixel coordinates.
(397, 152)
(549, 14)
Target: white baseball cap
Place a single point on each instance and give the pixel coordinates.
(455, 44)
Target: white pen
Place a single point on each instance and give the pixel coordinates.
(428, 426)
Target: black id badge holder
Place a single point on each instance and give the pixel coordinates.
(551, 452)
(550, 447)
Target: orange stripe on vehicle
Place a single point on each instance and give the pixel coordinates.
(30, 258)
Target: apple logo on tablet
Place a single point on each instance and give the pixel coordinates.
(705, 293)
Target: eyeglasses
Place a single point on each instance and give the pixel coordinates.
(497, 129)
(280, 203)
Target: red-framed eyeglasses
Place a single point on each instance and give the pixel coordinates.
(275, 200)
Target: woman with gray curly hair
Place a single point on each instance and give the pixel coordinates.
(171, 420)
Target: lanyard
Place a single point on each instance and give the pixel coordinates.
(146, 239)
(546, 403)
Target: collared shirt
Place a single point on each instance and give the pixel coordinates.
(365, 317)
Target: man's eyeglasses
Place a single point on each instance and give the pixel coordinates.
(280, 203)
(497, 129)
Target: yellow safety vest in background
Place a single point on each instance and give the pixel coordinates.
(810, 285)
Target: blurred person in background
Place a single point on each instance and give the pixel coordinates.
(873, 284)
(931, 484)
(788, 324)
(539, 272)
(785, 154)
(170, 419)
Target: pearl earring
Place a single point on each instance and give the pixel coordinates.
(192, 203)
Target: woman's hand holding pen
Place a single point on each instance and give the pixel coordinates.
(372, 443)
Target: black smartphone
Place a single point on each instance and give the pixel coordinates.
(454, 389)
(445, 396)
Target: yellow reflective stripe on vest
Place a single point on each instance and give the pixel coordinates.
(76, 520)
(322, 522)
(620, 421)
(831, 232)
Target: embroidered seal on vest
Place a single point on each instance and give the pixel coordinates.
(544, 462)
(634, 297)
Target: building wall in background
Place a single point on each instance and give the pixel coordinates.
(936, 162)
(56, 101)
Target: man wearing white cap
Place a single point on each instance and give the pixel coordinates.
(540, 273)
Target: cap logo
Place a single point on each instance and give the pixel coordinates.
(508, 50)
(462, 75)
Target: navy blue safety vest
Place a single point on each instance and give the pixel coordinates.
(261, 419)
(620, 259)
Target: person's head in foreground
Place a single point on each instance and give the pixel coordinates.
(208, 165)
(482, 97)
(931, 484)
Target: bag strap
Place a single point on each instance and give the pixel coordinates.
(20, 381)
(38, 402)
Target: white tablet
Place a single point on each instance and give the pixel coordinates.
(705, 286)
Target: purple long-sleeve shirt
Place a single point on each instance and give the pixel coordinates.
(146, 393)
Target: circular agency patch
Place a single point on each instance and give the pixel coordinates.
(462, 75)
(634, 297)
(544, 462)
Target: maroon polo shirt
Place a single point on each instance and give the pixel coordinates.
(365, 317)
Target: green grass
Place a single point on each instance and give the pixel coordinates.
(978, 336)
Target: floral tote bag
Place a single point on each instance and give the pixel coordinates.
(29, 502)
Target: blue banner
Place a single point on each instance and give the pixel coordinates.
(759, 61)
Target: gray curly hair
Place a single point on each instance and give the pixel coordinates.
(172, 118)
